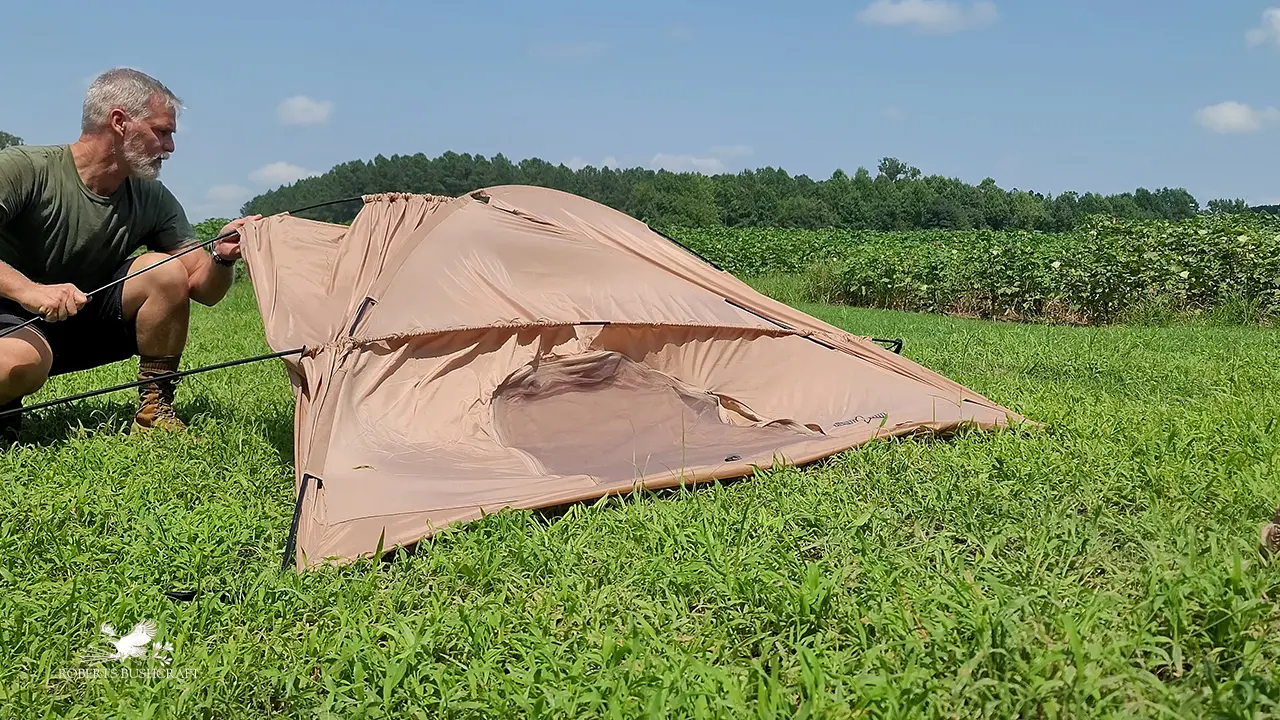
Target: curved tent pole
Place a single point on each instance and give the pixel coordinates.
(895, 344)
(216, 366)
(182, 373)
(175, 256)
(166, 376)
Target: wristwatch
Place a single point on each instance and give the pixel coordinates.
(225, 262)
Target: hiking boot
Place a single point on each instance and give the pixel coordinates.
(10, 425)
(155, 398)
(1269, 536)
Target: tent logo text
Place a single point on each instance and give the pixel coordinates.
(862, 419)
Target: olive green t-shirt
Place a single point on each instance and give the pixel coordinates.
(54, 229)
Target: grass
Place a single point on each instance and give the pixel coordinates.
(1106, 566)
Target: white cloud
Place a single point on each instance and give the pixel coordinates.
(221, 201)
(686, 163)
(302, 110)
(713, 161)
(1235, 117)
(225, 200)
(1268, 31)
(577, 163)
(280, 173)
(227, 195)
(934, 17)
(716, 160)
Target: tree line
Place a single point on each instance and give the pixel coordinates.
(897, 196)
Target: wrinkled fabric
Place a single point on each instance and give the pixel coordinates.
(520, 347)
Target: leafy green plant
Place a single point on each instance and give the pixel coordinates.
(1105, 271)
(209, 229)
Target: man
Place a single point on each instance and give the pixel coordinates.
(71, 219)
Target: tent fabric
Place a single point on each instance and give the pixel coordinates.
(522, 347)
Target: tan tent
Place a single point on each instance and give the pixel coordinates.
(521, 347)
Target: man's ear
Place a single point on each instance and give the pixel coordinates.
(116, 120)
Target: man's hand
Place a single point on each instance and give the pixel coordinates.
(229, 247)
(54, 302)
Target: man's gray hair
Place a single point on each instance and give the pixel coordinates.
(127, 89)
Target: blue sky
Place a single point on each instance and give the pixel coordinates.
(1051, 96)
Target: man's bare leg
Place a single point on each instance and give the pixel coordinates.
(159, 302)
(25, 360)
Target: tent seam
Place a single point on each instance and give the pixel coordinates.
(346, 343)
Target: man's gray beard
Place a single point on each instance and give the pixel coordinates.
(142, 166)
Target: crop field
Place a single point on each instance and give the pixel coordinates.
(1106, 271)
(1105, 565)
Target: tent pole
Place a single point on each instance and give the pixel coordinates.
(687, 249)
(896, 343)
(174, 256)
(291, 542)
(166, 376)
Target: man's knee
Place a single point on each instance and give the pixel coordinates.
(167, 283)
(24, 363)
(169, 279)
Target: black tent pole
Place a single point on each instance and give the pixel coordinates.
(206, 368)
(175, 256)
(158, 378)
(291, 542)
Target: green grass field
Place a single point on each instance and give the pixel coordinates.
(1104, 566)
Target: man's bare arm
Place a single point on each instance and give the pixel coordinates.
(53, 302)
(210, 281)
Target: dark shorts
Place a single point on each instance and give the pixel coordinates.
(97, 335)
